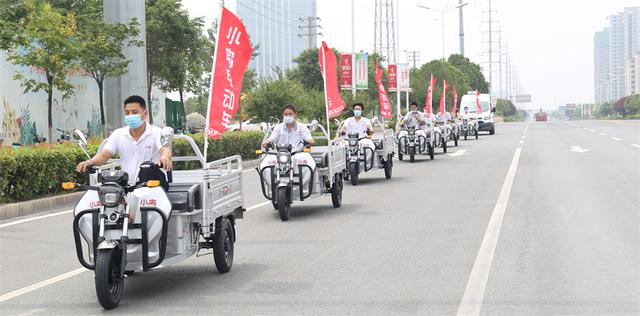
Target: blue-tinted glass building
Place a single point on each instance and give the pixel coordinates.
(275, 26)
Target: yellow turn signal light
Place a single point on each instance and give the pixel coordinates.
(259, 152)
(153, 183)
(68, 185)
(307, 150)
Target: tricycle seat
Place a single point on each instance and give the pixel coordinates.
(321, 159)
(184, 197)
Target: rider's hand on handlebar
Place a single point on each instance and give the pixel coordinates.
(165, 163)
(266, 143)
(83, 166)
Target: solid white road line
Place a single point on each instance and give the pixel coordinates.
(42, 284)
(592, 131)
(473, 296)
(603, 134)
(72, 273)
(34, 218)
(635, 145)
(616, 139)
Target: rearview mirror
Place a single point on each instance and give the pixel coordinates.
(80, 136)
(493, 110)
(166, 136)
(314, 125)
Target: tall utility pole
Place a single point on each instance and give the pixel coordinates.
(500, 58)
(353, 50)
(442, 12)
(490, 49)
(460, 5)
(312, 27)
(384, 33)
(413, 57)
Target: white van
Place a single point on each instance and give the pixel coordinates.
(485, 119)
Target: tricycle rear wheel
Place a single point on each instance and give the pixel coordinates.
(223, 245)
(109, 283)
(353, 173)
(388, 168)
(336, 191)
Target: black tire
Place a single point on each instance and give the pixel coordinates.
(412, 154)
(109, 284)
(492, 131)
(399, 153)
(223, 241)
(283, 204)
(444, 145)
(455, 140)
(336, 192)
(465, 135)
(353, 173)
(476, 133)
(431, 151)
(388, 168)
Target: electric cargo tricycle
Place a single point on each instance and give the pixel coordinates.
(362, 159)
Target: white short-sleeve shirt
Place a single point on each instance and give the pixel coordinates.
(282, 135)
(133, 153)
(359, 127)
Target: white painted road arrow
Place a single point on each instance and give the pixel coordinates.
(458, 152)
(578, 149)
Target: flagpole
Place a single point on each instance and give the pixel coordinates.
(326, 109)
(213, 72)
(395, 57)
(353, 51)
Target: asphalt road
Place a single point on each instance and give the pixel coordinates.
(541, 218)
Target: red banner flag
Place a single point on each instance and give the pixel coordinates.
(429, 103)
(385, 105)
(443, 98)
(392, 75)
(346, 71)
(233, 51)
(455, 101)
(328, 65)
(478, 107)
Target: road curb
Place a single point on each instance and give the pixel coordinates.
(12, 210)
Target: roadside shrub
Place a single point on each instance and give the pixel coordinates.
(35, 171)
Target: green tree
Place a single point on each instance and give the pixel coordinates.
(100, 46)
(442, 70)
(47, 42)
(632, 104)
(271, 95)
(307, 69)
(176, 48)
(473, 72)
(505, 108)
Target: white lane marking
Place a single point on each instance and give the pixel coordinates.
(635, 145)
(522, 142)
(603, 134)
(258, 205)
(523, 137)
(72, 273)
(578, 149)
(473, 296)
(585, 128)
(592, 131)
(458, 152)
(616, 139)
(39, 285)
(26, 220)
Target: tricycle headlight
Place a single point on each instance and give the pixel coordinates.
(110, 196)
(283, 158)
(486, 118)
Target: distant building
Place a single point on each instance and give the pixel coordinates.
(279, 28)
(632, 82)
(624, 44)
(601, 66)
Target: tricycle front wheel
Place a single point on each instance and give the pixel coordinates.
(336, 191)
(283, 205)
(109, 283)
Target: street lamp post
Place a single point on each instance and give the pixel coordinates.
(442, 12)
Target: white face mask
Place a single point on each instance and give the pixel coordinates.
(288, 119)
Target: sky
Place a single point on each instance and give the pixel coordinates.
(550, 42)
